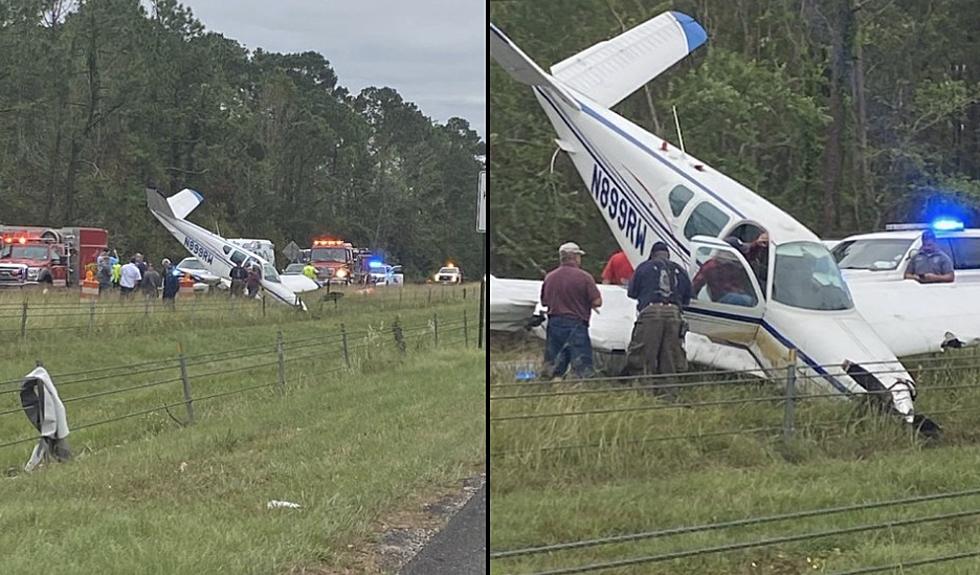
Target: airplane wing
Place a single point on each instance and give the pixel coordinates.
(512, 303)
(610, 71)
(913, 318)
(299, 284)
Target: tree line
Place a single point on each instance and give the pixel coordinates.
(848, 114)
(101, 98)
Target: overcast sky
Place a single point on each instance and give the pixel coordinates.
(432, 51)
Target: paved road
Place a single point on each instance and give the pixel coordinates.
(461, 547)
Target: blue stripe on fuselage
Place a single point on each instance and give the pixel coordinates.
(634, 200)
(780, 337)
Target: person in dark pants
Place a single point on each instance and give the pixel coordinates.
(171, 282)
(238, 276)
(570, 294)
(254, 280)
(661, 289)
(151, 281)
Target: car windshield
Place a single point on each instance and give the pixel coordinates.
(448, 270)
(295, 268)
(883, 254)
(806, 276)
(24, 252)
(191, 264)
(329, 255)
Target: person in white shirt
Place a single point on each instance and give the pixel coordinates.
(129, 277)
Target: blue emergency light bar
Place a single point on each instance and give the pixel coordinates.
(374, 264)
(937, 225)
(946, 225)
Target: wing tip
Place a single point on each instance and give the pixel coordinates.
(693, 32)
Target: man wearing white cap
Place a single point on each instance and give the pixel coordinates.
(570, 294)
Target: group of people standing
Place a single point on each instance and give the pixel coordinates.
(662, 289)
(136, 275)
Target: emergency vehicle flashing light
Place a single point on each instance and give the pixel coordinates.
(373, 264)
(937, 225)
(946, 225)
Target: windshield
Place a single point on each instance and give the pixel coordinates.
(192, 264)
(269, 273)
(806, 276)
(297, 268)
(329, 255)
(24, 252)
(448, 270)
(883, 254)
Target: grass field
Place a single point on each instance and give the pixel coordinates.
(147, 495)
(632, 461)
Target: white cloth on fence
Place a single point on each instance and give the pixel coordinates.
(54, 425)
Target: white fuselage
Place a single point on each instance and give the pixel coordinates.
(632, 176)
(218, 255)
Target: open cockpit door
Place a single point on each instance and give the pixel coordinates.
(726, 302)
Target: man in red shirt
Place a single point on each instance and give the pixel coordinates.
(618, 270)
(570, 294)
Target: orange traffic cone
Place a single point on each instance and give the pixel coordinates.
(90, 287)
(186, 286)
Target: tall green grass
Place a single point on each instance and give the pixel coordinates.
(637, 460)
(155, 498)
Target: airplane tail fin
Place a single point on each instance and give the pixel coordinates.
(522, 68)
(611, 70)
(176, 206)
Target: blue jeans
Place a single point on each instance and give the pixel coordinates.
(568, 342)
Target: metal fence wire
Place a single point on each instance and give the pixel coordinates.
(332, 347)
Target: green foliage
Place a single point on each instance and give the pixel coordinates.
(100, 98)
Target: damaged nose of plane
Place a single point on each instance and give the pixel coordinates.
(890, 391)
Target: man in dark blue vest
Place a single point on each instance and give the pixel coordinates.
(661, 289)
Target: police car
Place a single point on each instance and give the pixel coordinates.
(884, 256)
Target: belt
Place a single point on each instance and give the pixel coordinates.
(660, 303)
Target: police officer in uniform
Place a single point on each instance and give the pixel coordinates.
(931, 265)
(661, 289)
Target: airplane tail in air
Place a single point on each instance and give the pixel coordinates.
(176, 206)
(611, 70)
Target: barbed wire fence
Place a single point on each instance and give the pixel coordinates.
(517, 406)
(347, 350)
(41, 314)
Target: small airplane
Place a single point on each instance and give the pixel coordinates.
(216, 253)
(647, 189)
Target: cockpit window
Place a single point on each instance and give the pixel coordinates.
(806, 276)
(883, 254)
(705, 220)
(269, 273)
(678, 198)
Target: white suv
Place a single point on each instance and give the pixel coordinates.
(884, 256)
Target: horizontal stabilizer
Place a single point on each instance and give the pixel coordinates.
(176, 206)
(610, 71)
(522, 68)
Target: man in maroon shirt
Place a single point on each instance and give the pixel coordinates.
(618, 270)
(570, 294)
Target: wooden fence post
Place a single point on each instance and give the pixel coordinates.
(343, 336)
(186, 382)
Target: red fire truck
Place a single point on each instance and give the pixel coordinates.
(55, 256)
(333, 260)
